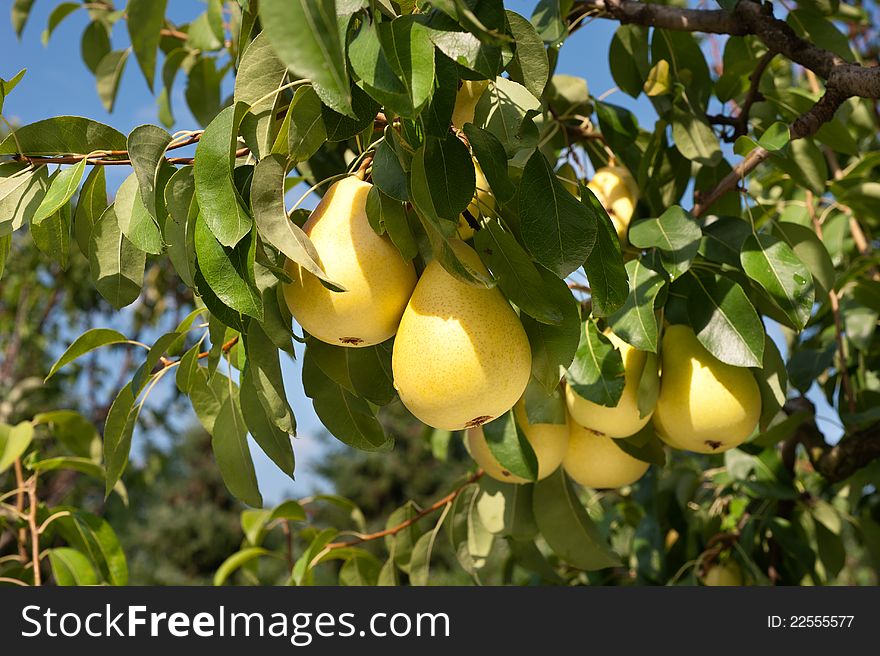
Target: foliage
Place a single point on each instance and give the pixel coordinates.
(371, 90)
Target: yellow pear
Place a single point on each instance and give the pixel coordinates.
(466, 101)
(623, 419)
(568, 178)
(482, 203)
(727, 574)
(617, 191)
(461, 357)
(548, 441)
(594, 460)
(377, 280)
(705, 405)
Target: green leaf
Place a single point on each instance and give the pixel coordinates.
(21, 10)
(229, 442)
(134, 220)
(644, 446)
(203, 90)
(306, 132)
(265, 372)
(274, 442)
(400, 544)
(543, 407)
(63, 135)
(394, 219)
(442, 179)
(772, 263)
(52, 237)
(349, 418)
(388, 174)
(506, 509)
(273, 224)
(724, 320)
(59, 13)
(420, 562)
(772, 381)
(694, 138)
(108, 75)
(511, 448)
(820, 31)
(369, 370)
(493, 160)
(677, 235)
(302, 569)
(237, 561)
(360, 570)
(62, 186)
(85, 343)
(775, 137)
(69, 566)
(257, 83)
(95, 538)
(95, 44)
(15, 440)
(635, 323)
(146, 149)
(553, 346)
(90, 206)
(568, 529)
(207, 395)
(229, 272)
(558, 230)
(305, 37)
(222, 208)
(71, 429)
(597, 373)
(340, 127)
(505, 109)
(723, 239)
(530, 66)
(628, 58)
(180, 225)
(118, 431)
(145, 20)
(609, 286)
(117, 266)
(517, 276)
(811, 251)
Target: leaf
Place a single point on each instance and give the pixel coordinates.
(694, 138)
(117, 266)
(609, 286)
(90, 206)
(811, 251)
(222, 208)
(305, 37)
(21, 10)
(644, 446)
(508, 443)
(59, 13)
(442, 178)
(145, 20)
(265, 373)
(565, 525)
(70, 567)
(597, 373)
(108, 75)
(62, 186)
(772, 381)
(95, 538)
(180, 224)
(530, 65)
(274, 442)
(677, 235)
(553, 346)
(229, 272)
(306, 132)
(557, 229)
(493, 161)
(388, 174)
(15, 440)
(775, 137)
(95, 44)
(544, 407)
(118, 431)
(724, 320)
(134, 220)
(52, 237)
(229, 442)
(517, 276)
(146, 149)
(723, 239)
(505, 109)
(63, 135)
(88, 341)
(203, 90)
(635, 322)
(628, 58)
(258, 84)
(772, 263)
(237, 561)
(360, 570)
(273, 224)
(349, 418)
(369, 370)
(207, 395)
(420, 563)
(71, 429)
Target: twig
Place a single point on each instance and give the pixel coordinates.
(740, 123)
(19, 506)
(437, 505)
(34, 530)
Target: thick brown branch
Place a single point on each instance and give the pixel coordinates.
(714, 21)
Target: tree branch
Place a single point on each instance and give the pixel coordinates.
(740, 123)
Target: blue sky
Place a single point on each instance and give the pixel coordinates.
(58, 82)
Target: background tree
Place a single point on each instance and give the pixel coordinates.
(757, 257)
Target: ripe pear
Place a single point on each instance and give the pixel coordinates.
(623, 419)
(483, 202)
(461, 356)
(727, 574)
(617, 191)
(594, 460)
(466, 101)
(704, 405)
(548, 441)
(377, 280)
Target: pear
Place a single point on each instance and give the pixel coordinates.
(483, 202)
(466, 101)
(727, 574)
(617, 191)
(377, 280)
(704, 405)
(461, 357)
(548, 441)
(623, 419)
(594, 460)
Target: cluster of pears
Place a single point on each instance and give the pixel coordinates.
(461, 356)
